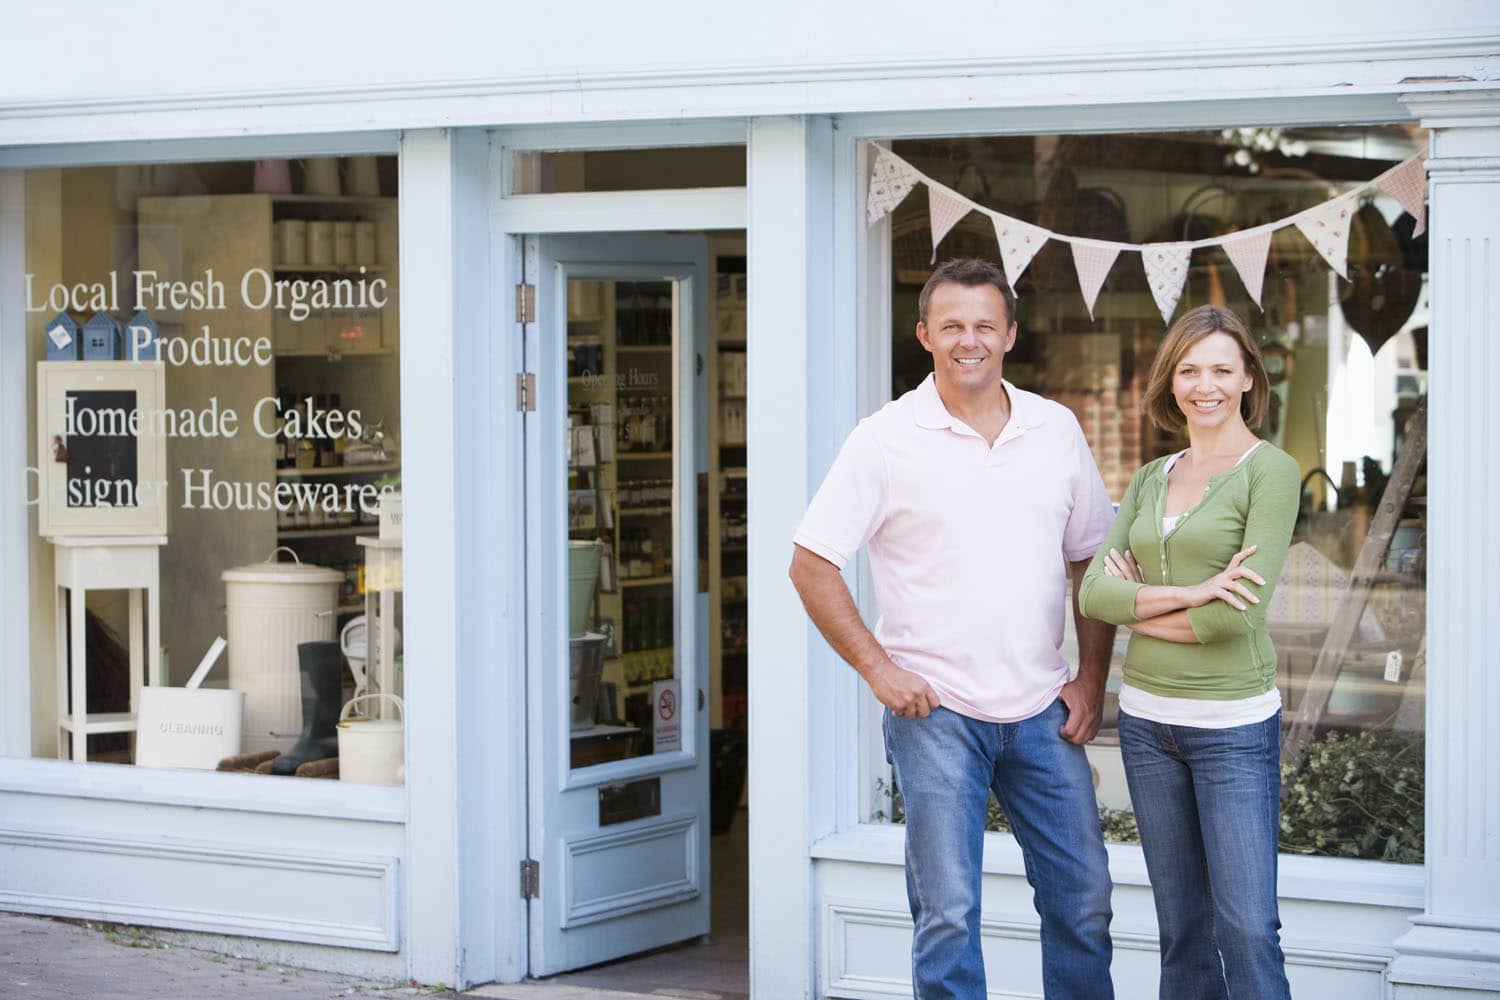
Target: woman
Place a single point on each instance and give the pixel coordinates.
(1190, 565)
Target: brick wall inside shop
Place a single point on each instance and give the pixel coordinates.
(1101, 378)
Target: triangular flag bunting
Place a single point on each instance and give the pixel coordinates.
(1166, 272)
(1407, 183)
(944, 210)
(1327, 229)
(1019, 242)
(1247, 252)
(891, 180)
(1093, 261)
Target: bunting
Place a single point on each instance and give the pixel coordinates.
(1247, 251)
(1166, 264)
(1019, 242)
(1327, 229)
(1093, 259)
(891, 180)
(945, 208)
(1166, 270)
(1407, 183)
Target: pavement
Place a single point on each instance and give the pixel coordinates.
(46, 959)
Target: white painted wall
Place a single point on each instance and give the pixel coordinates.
(373, 65)
(184, 47)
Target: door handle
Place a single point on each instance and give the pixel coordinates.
(700, 699)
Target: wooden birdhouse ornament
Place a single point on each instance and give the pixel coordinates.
(102, 339)
(141, 335)
(62, 335)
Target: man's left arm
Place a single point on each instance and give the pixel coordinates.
(1084, 695)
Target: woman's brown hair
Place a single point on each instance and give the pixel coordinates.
(1161, 406)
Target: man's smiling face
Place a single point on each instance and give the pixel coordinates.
(968, 332)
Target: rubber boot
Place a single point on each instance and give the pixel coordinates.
(322, 668)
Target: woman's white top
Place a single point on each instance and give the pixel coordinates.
(1201, 713)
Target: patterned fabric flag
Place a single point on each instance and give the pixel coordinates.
(944, 210)
(1166, 271)
(1093, 261)
(1327, 229)
(1019, 242)
(1407, 183)
(1247, 252)
(891, 180)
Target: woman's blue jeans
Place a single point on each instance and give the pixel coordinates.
(946, 766)
(1208, 805)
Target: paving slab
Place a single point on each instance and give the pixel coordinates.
(47, 959)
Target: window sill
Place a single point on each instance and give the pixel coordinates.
(204, 790)
(1327, 880)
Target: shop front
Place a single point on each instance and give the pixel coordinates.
(479, 433)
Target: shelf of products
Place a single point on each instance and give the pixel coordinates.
(620, 475)
(334, 335)
(727, 534)
(336, 378)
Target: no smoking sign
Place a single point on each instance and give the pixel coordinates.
(666, 733)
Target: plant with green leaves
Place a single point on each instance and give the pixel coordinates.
(1359, 796)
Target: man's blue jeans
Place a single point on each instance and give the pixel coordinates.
(1208, 805)
(946, 765)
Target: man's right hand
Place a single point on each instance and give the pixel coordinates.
(832, 609)
(903, 692)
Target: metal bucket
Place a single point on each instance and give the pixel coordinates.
(583, 580)
(585, 665)
(272, 608)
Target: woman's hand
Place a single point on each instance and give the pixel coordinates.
(1123, 566)
(1226, 586)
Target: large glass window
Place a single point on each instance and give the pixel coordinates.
(215, 419)
(1348, 363)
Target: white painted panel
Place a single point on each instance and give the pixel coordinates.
(631, 869)
(626, 211)
(1333, 949)
(224, 887)
(310, 879)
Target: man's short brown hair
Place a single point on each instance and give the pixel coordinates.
(971, 272)
(1161, 406)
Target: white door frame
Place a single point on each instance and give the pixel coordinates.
(511, 217)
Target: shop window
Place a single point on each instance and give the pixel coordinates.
(628, 169)
(215, 416)
(1348, 365)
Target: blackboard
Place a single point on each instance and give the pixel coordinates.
(103, 469)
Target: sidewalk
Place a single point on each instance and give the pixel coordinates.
(43, 959)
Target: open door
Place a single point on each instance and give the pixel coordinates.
(618, 731)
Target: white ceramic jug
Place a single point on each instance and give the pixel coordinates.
(362, 176)
(372, 751)
(320, 175)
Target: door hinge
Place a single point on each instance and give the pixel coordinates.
(525, 303)
(531, 879)
(526, 392)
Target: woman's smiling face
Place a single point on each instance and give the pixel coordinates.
(1209, 381)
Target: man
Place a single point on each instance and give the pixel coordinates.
(972, 495)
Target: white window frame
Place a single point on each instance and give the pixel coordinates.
(866, 261)
(19, 772)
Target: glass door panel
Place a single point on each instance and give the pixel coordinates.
(622, 505)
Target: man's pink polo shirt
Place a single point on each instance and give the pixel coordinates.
(968, 543)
